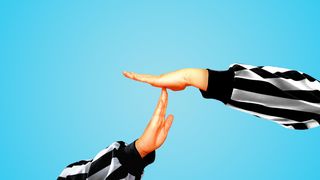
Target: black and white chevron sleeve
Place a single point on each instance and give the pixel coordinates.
(287, 97)
(118, 161)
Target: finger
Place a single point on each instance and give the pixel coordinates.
(161, 103)
(168, 123)
(165, 102)
(164, 109)
(140, 77)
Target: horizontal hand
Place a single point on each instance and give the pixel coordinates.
(176, 81)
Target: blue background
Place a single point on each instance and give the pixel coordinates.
(63, 97)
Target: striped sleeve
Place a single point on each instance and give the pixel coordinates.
(118, 161)
(287, 97)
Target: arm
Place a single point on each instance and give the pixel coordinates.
(117, 161)
(122, 161)
(288, 97)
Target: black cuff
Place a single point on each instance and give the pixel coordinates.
(220, 85)
(131, 159)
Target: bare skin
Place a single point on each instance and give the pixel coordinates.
(176, 81)
(157, 129)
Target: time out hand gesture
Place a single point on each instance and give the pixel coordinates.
(157, 129)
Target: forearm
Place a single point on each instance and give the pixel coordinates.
(117, 161)
(288, 97)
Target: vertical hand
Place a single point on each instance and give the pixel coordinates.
(157, 129)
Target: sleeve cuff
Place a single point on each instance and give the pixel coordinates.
(133, 160)
(220, 85)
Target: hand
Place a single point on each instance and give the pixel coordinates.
(157, 129)
(176, 81)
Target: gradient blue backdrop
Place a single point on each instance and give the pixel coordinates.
(63, 97)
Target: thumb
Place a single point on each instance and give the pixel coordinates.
(168, 123)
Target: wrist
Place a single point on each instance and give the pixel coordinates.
(197, 78)
(130, 158)
(187, 76)
(140, 149)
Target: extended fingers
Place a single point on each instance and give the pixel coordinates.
(165, 103)
(160, 109)
(140, 77)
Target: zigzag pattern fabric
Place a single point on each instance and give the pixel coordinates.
(287, 97)
(117, 161)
